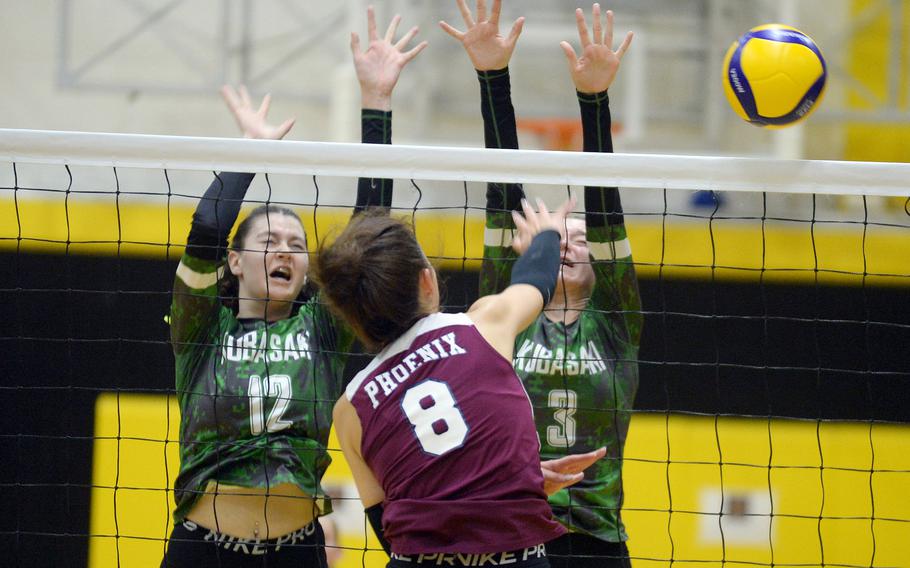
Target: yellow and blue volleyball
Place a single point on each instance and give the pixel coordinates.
(774, 76)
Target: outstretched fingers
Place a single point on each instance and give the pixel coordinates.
(251, 119)
(371, 24)
(568, 470)
(393, 28)
(481, 10)
(355, 44)
(608, 32)
(582, 28)
(543, 214)
(571, 56)
(264, 105)
(285, 127)
(598, 26)
(451, 31)
(563, 210)
(231, 98)
(540, 219)
(624, 46)
(554, 481)
(521, 224)
(409, 55)
(245, 99)
(495, 12)
(406, 38)
(575, 463)
(465, 13)
(532, 218)
(516, 30)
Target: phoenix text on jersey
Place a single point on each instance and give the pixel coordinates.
(439, 348)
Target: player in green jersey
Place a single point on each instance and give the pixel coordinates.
(256, 384)
(578, 359)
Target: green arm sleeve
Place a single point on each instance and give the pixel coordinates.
(375, 128)
(616, 288)
(195, 303)
(195, 309)
(500, 131)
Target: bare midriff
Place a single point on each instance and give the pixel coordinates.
(253, 513)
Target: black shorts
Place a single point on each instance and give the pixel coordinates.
(575, 550)
(194, 546)
(531, 557)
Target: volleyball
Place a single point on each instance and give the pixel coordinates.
(774, 76)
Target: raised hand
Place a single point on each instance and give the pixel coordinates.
(379, 67)
(486, 47)
(252, 121)
(565, 471)
(595, 69)
(534, 222)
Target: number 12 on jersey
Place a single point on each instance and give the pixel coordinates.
(273, 386)
(434, 415)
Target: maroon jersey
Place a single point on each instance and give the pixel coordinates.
(448, 431)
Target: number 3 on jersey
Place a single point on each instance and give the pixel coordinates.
(563, 434)
(438, 424)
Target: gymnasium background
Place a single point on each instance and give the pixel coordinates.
(84, 472)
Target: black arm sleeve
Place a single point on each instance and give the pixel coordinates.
(499, 131)
(215, 215)
(539, 265)
(374, 514)
(602, 204)
(376, 128)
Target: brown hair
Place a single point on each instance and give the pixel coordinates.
(229, 286)
(370, 276)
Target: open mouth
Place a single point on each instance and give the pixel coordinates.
(282, 273)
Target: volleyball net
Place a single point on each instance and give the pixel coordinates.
(769, 426)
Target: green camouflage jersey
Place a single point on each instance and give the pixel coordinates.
(255, 398)
(581, 377)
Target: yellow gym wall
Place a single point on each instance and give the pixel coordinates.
(868, 61)
(679, 248)
(805, 491)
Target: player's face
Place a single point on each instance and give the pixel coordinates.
(274, 262)
(576, 277)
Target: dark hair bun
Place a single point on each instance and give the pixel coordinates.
(370, 276)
